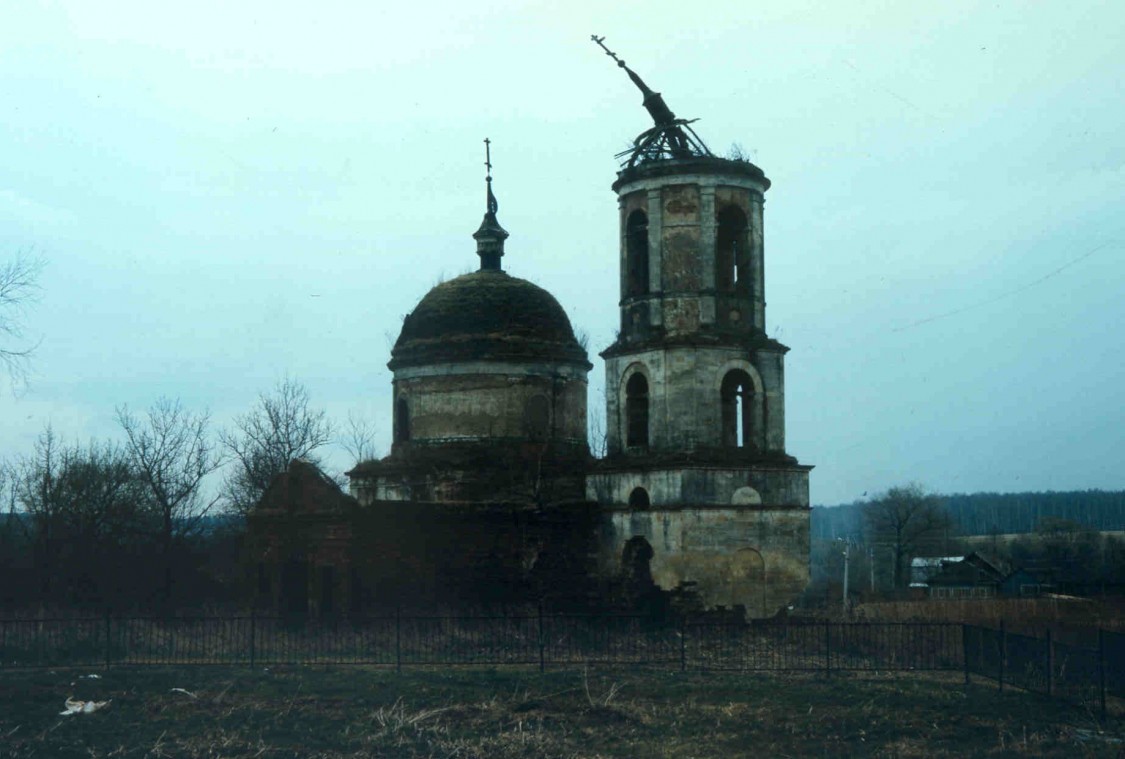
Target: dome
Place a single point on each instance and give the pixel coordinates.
(486, 315)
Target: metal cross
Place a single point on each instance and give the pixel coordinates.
(488, 156)
(599, 40)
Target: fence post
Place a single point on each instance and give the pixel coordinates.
(683, 642)
(253, 635)
(1003, 654)
(965, 650)
(827, 649)
(107, 649)
(398, 639)
(1050, 661)
(1101, 669)
(542, 643)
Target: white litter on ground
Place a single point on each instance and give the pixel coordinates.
(185, 692)
(74, 706)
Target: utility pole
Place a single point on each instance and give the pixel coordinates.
(871, 564)
(846, 543)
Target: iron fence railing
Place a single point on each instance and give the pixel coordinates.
(1078, 674)
(1075, 673)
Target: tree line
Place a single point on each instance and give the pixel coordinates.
(1063, 549)
(993, 513)
(132, 521)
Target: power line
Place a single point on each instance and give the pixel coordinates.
(1007, 294)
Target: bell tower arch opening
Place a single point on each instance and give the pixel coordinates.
(636, 254)
(732, 251)
(636, 412)
(737, 397)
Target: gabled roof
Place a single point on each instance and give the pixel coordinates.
(303, 488)
(974, 569)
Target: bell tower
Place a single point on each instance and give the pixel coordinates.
(693, 304)
(695, 388)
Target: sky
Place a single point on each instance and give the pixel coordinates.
(228, 194)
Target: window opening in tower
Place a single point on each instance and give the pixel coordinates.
(732, 250)
(636, 411)
(738, 409)
(636, 253)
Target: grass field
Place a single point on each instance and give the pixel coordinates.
(352, 712)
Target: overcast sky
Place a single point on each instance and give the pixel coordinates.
(230, 193)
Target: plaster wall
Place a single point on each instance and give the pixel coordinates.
(454, 402)
(685, 402)
(771, 486)
(682, 297)
(757, 558)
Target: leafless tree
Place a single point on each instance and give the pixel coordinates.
(281, 427)
(358, 438)
(19, 288)
(598, 434)
(905, 518)
(82, 507)
(171, 451)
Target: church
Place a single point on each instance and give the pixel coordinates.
(489, 494)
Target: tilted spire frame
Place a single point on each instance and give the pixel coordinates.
(669, 138)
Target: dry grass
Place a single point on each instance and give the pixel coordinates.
(1018, 614)
(347, 712)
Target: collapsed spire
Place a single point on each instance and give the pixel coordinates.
(670, 137)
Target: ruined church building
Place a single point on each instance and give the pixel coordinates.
(489, 493)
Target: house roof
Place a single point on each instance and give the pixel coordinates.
(973, 569)
(303, 488)
(934, 561)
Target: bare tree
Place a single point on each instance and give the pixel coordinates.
(905, 518)
(281, 427)
(598, 434)
(82, 505)
(19, 288)
(358, 438)
(172, 454)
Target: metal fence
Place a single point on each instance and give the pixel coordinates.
(536, 640)
(1079, 674)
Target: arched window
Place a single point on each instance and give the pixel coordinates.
(402, 421)
(732, 251)
(636, 411)
(638, 499)
(738, 409)
(537, 418)
(636, 254)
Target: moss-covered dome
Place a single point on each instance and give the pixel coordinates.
(486, 315)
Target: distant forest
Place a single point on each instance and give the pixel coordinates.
(993, 513)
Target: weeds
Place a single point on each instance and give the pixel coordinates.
(395, 718)
(505, 713)
(606, 698)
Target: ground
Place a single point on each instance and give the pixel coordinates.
(351, 712)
